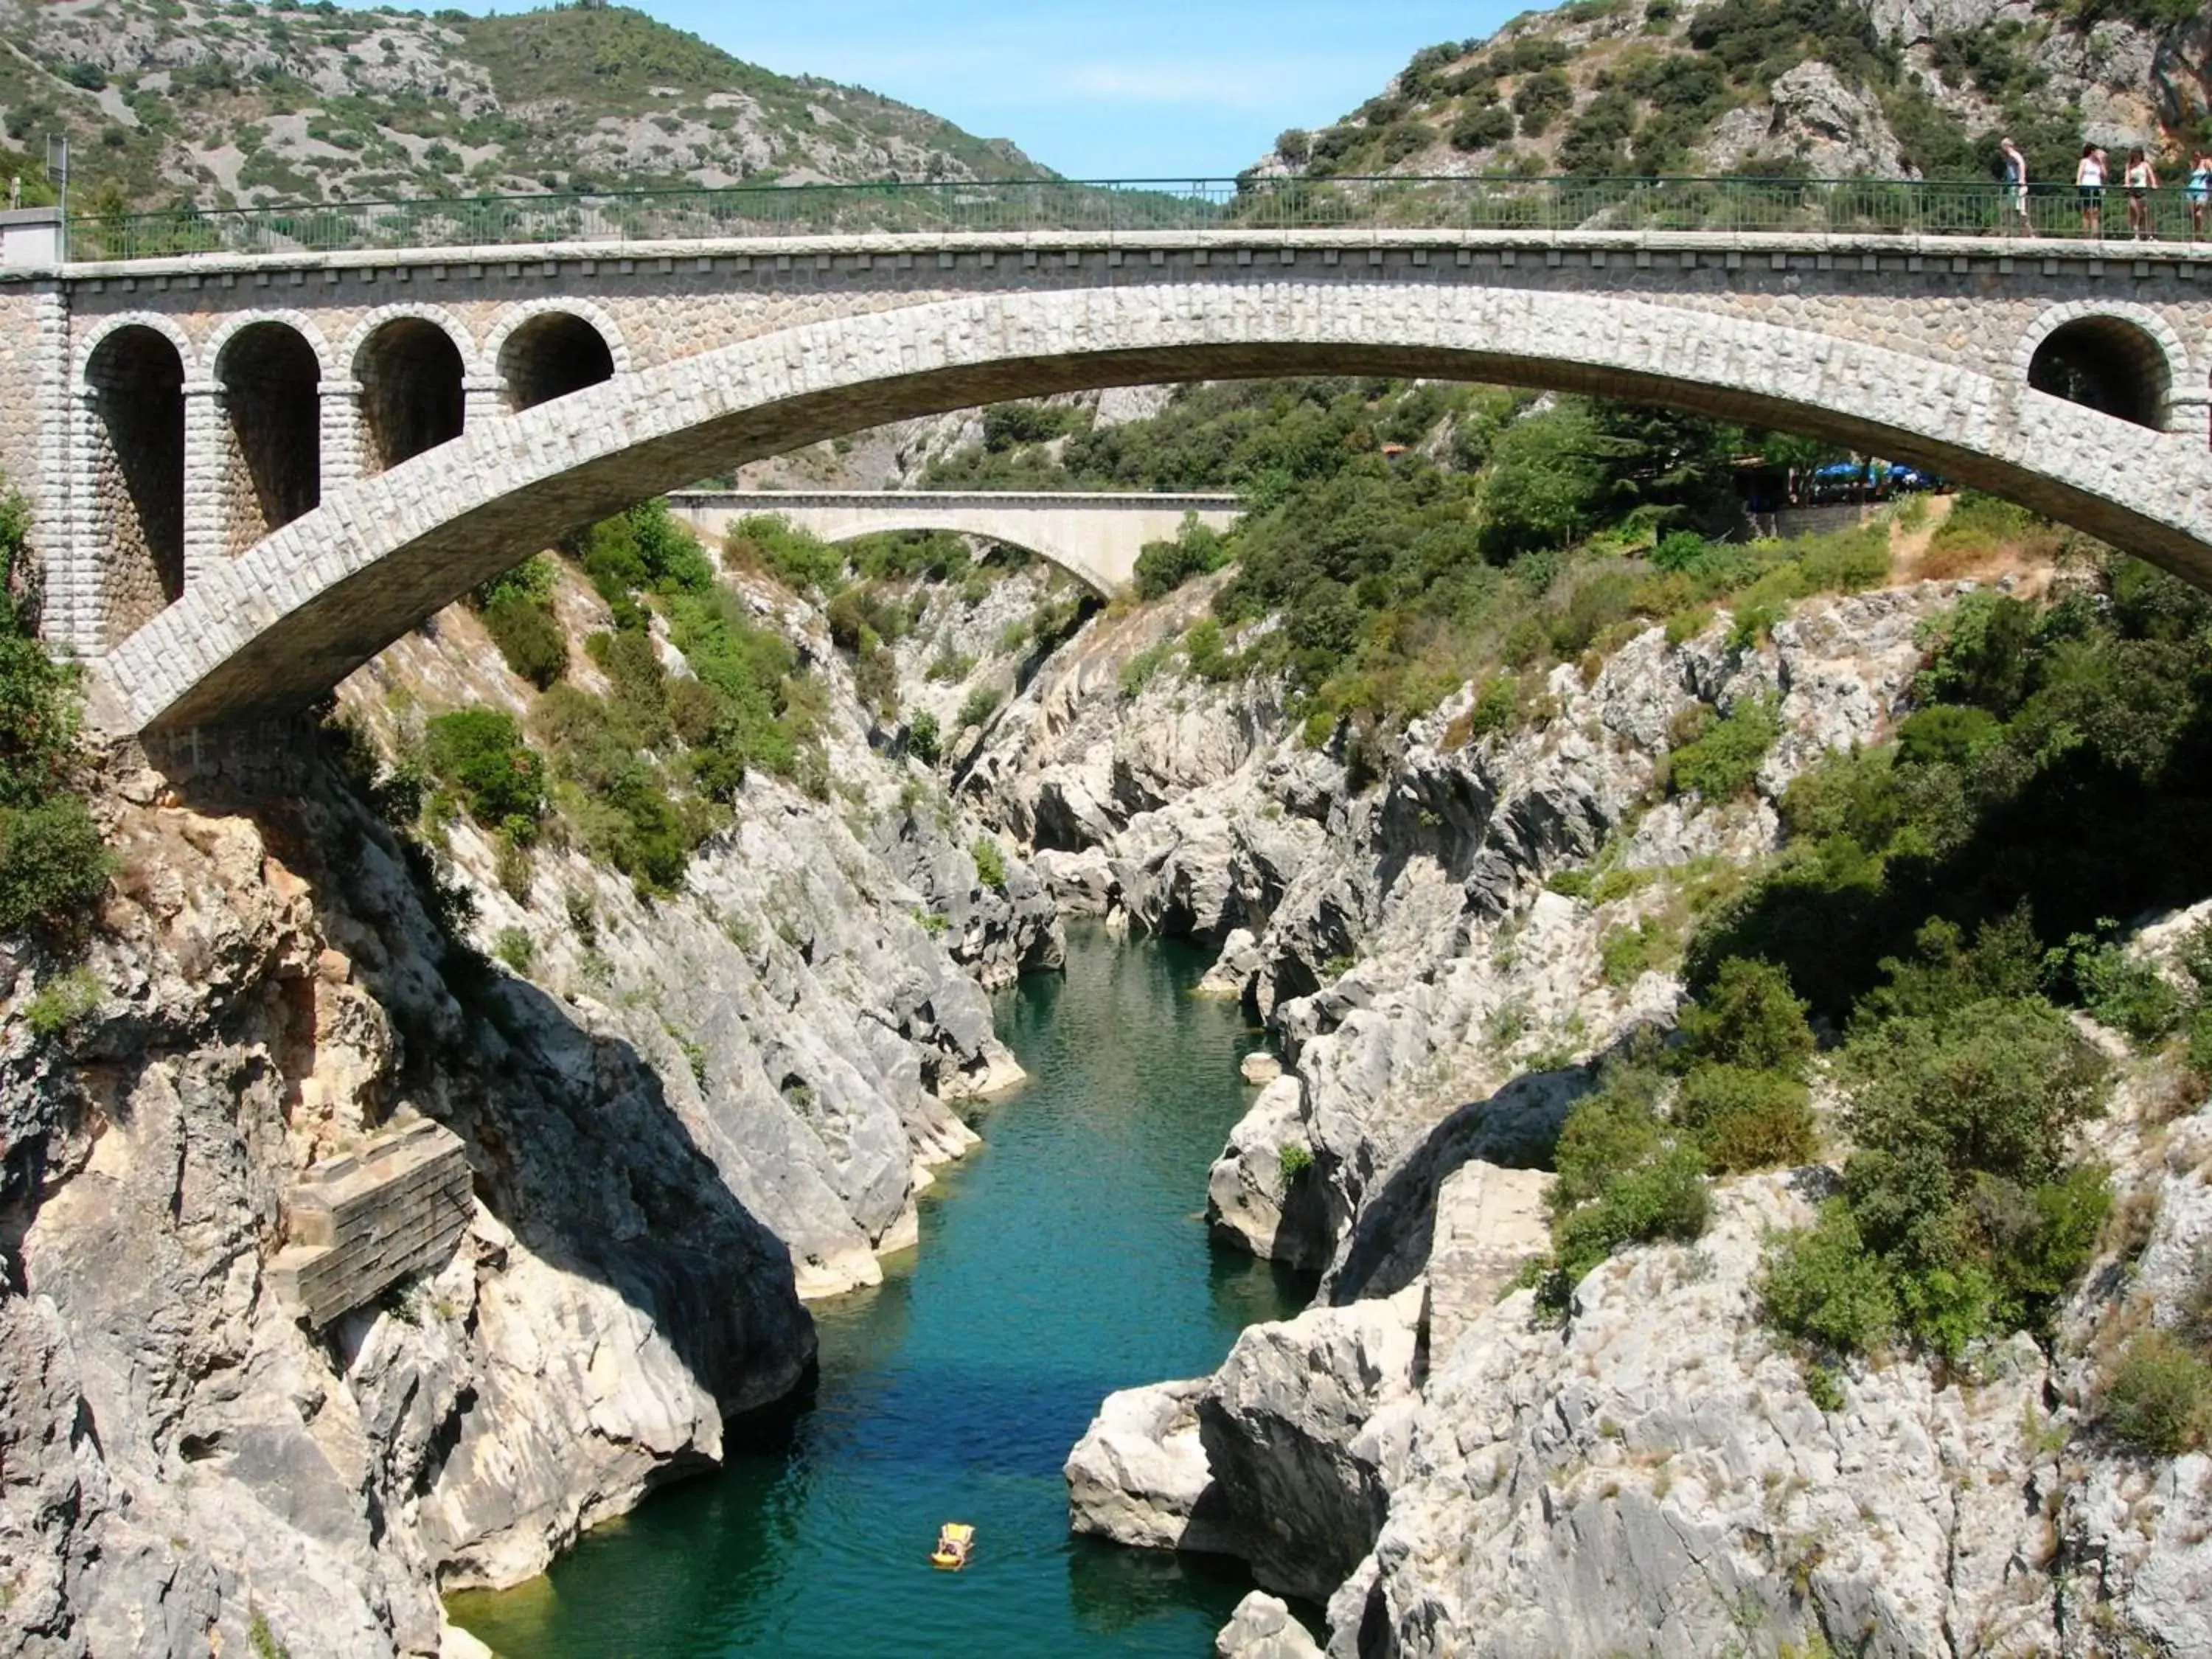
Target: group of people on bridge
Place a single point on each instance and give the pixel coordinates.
(2138, 178)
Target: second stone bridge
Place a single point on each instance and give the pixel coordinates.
(1093, 536)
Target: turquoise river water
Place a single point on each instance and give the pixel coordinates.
(1064, 1259)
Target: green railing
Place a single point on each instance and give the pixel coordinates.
(1870, 206)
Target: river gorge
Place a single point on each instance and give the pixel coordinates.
(1065, 1258)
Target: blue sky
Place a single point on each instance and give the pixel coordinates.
(1100, 89)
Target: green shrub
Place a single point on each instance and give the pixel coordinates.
(2160, 1398)
(949, 666)
(1138, 671)
(1724, 761)
(1163, 566)
(1748, 1017)
(643, 548)
(1206, 650)
(1626, 954)
(1748, 1119)
(1295, 1159)
(982, 703)
(529, 637)
(923, 741)
(990, 863)
(1946, 735)
(61, 1002)
(1481, 126)
(1981, 653)
(1820, 1284)
(516, 949)
(479, 753)
(54, 869)
(1625, 1174)
(768, 545)
(2119, 990)
(38, 720)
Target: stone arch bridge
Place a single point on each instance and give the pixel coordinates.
(249, 473)
(1093, 536)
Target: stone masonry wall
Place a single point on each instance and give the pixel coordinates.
(361, 1223)
(1972, 305)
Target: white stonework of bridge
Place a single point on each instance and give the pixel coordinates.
(1094, 536)
(249, 473)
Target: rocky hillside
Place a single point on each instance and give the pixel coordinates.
(1747, 1015)
(1783, 87)
(1611, 1408)
(222, 103)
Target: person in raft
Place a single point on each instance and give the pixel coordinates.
(2139, 180)
(2089, 183)
(2199, 192)
(2015, 178)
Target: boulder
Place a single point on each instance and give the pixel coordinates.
(1263, 1628)
(1251, 1199)
(1139, 1475)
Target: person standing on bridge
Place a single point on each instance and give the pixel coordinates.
(2200, 190)
(2015, 178)
(2089, 181)
(2139, 180)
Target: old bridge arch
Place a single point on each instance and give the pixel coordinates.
(385, 554)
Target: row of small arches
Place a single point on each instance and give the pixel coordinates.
(406, 388)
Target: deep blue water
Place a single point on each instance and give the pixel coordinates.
(1065, 1259)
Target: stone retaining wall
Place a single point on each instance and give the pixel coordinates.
(361, 1224)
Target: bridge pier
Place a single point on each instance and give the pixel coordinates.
(206, 530)
(341, 418)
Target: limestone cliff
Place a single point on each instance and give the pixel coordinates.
(1443, 953)
(687, 1114)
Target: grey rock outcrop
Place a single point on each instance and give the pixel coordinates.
(1810, 116)
(1305, 1427)
(1263, 1627)
(687, 1113)
(1140, 1476)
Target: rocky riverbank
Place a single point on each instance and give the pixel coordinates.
(1443, 953)
(683, 1115)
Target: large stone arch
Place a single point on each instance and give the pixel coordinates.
(302, 610)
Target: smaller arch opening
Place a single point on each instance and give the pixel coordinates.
(550, 356)
(273, 470)
(2106, 363)
(136, 381)
(411, 397)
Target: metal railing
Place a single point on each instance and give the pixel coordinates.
(1812, 206)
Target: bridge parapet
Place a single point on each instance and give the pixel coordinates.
(1895, 207)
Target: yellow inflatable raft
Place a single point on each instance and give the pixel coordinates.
(954, 1541)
